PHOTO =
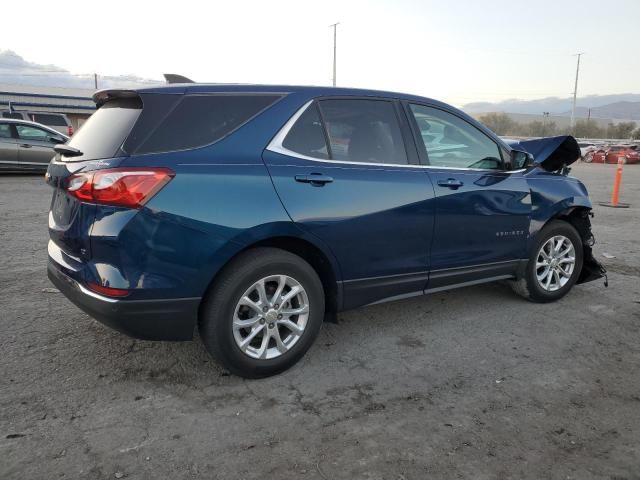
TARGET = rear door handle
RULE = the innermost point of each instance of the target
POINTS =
(25, 145)
(450, 183)
(315, 179)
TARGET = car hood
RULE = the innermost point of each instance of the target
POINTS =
(551, 153)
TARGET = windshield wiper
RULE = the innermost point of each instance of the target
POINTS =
(67, 150)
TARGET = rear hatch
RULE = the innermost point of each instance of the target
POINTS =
(99, 141)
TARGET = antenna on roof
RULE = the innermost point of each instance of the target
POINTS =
(175, 78)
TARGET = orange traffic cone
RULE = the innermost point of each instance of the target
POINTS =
(615, 194)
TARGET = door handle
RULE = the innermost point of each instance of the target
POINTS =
(315, 179)
(451, 183)
(25, 145)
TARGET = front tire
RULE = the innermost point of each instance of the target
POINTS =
(554, 266)
(263, 312)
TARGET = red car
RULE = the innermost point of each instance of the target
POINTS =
(611, 154)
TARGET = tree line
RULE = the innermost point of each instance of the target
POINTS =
(503, 124)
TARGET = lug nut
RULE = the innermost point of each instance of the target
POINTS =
(271, 325)
(265, 309)
(276, 306)
(262, 320)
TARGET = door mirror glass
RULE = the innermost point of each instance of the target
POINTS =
(521, 159)
(56, 140)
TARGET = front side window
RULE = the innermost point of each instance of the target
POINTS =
(26, 132)
(363, 131)
(452, 142)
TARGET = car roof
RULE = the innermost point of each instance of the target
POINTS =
(29, 122)
(259, 88)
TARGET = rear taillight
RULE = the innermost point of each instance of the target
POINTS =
(124, 187)
(69, 130)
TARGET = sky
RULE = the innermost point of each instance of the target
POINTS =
(456, 51)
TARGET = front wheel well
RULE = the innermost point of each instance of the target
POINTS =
(579, 218)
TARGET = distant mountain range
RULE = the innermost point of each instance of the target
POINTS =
(624, 106)
(16, 70)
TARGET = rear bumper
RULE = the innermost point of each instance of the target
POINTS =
(160, 319)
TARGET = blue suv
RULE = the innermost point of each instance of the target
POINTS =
(256, 212)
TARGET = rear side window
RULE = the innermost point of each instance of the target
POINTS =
(306, 137)
(48, 119)
(363, 131)
(102, 135)
(199, 120)
(5, 130)
(12, 115)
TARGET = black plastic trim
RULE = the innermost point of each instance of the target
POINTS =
(160, 319)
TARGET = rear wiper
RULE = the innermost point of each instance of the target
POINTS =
(67, 150)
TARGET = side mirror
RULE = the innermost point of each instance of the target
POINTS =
(521, 159)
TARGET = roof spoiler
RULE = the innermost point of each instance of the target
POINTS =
(175, 78)
(552, 153)
(103, 96)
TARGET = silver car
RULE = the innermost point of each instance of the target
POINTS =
(58, 121)
(27, 146)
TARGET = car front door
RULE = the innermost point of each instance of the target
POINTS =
(8, 147)
(482, 210)
(35, 145)
(348, 173)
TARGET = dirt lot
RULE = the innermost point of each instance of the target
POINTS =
(473, 383)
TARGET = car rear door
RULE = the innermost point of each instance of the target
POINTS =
(482, 210)
(35, 148)
(8, 147)
(347, 172)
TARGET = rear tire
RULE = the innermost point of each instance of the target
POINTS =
(551, 272)
(244, 325)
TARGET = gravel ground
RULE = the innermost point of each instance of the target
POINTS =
(473, 383)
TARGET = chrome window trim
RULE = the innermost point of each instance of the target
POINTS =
(276, 146)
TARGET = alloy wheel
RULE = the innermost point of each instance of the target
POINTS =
(270, 317)
(555, 263)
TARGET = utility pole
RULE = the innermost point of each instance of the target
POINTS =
(95, 80)
(545, 118)
(335, 30)
(575, 93)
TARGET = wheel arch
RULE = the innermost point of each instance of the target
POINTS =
(579, 216)
(321, 260)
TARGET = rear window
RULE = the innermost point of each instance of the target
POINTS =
(196, 121)
(49, 119)
(102, 135)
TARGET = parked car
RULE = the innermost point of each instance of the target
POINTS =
(26, 146)
(586, 148)
(254, 212)
(631, 154)
(58, 121)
